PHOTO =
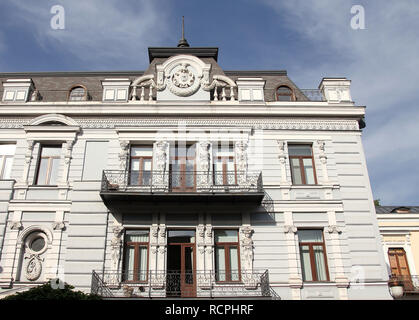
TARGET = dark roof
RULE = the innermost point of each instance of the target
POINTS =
(70, 74)
(393, 209)
(166, 52)
(54, 86)
(256, 73)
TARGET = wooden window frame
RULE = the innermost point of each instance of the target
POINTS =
(185, 158)
(225, 169)
(140, 171)
(312, 257)
(49, 167)
(74, 87)
(292, 95)
(137, 246)
(227, 246)
(301, 163)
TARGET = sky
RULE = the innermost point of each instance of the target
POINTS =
(311, 39)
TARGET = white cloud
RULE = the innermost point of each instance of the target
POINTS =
(106, 34)
(382, 62)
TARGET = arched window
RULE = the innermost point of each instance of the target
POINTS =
(284, 93)
(77, 93)
(401, 210)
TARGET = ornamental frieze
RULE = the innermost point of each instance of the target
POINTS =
(259, 124)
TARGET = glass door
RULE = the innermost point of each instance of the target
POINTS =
(181, 264)
(182, 169)
(187, 279)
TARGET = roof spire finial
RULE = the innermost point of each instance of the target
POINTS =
(182, 42)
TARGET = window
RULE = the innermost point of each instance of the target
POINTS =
(37, 244)
(401, 210)
(116, 94)
(7, 152)
(302, 164)
(224, 165)
(77, 93)
(136, 255)
(313, 255)
(227, 264)
(284, 93)
(17, 90)
(141, 158)
(48, 166)
(115, 89)
(183, 167)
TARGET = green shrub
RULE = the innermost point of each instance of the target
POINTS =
(47, 292)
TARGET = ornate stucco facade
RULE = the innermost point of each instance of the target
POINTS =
(186, 180)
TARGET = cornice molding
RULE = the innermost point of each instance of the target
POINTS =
(270, 124)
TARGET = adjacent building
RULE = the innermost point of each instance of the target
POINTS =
(186, 180)
(399, 230)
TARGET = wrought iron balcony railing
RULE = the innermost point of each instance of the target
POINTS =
(410, 283)
(181, 181)
(181, 284)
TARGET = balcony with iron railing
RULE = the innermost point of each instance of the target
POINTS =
(177, 284)
(195, 186)
(404, 286)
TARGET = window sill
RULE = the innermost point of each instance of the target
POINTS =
(43, 186)
(144, 283)
(298, 186)
(228, 282)
(318, 283)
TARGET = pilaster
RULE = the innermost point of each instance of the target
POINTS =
(342, 281)
(295, 281)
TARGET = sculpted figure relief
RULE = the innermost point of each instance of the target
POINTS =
(161, 156)
(247, 245)
(204, 156)
(241, 155)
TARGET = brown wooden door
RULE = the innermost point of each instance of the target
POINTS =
(181, 270)
(187, 271)
(399, 267)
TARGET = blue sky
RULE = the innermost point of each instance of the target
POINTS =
(311, 39)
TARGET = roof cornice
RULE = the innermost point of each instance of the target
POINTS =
(166, 52)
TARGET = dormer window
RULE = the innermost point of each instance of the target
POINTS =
(17, 90)
(77, 93)
(115, 90)
(401, 210)
(284, 93)
(251, 89)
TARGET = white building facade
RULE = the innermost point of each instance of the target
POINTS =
(186, 180)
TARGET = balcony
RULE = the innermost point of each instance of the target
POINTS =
(122, 188)
(177, 284)
(409, 285)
